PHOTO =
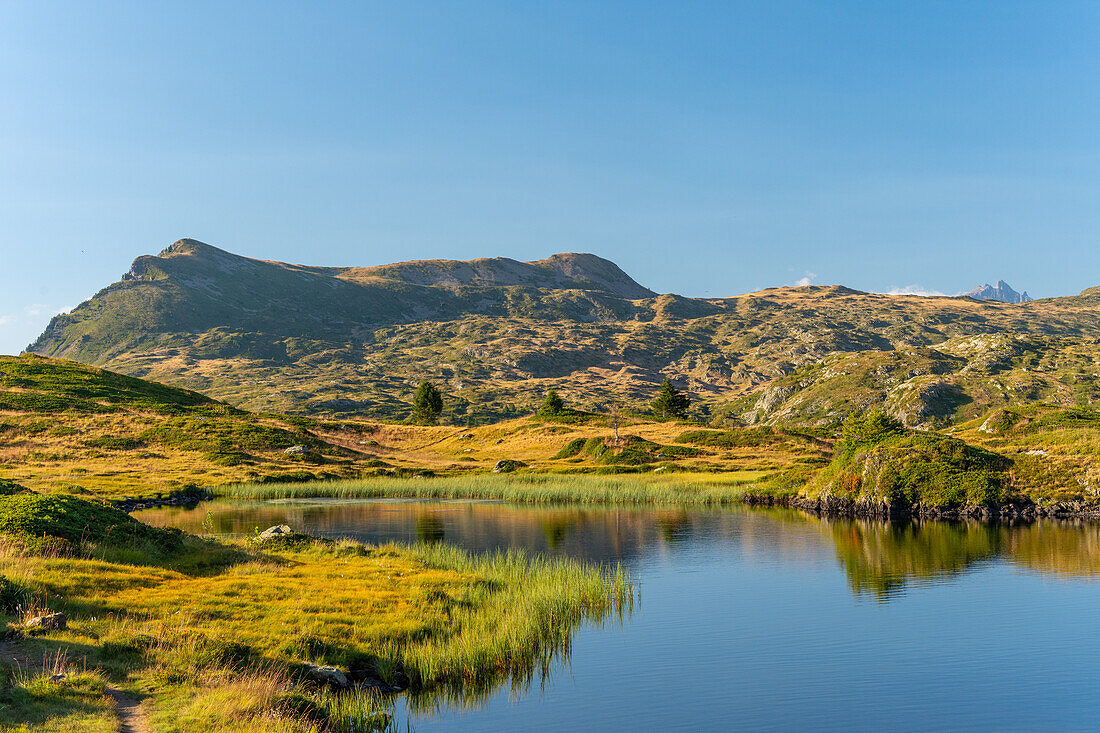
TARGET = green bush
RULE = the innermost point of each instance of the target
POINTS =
(109, 442)
(571, 448)
(740, 438)
(9, 487)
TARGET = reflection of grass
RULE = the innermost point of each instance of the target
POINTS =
(675, 488)
(216, 632)
(880, 558)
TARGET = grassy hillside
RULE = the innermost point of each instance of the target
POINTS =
(76, 429)
(495, 334)
(70, 428)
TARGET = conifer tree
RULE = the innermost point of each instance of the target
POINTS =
(669, 401)
(553, 405)
(427, 404)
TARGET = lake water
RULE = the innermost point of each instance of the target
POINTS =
(753, 619)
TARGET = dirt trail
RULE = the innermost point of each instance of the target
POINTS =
(131, 718)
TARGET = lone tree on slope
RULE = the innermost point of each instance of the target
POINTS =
(427, 404)
(669, 401)
(553, 405)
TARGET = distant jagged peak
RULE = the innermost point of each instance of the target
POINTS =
(1002, 293)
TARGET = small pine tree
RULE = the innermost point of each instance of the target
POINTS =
(670, 402)
(427, 404)
(553, 405)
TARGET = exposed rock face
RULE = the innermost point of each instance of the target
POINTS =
(1003, 293)
(296, 450)
(508, 465)
(923, 402)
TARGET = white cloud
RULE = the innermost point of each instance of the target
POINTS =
(19, 328)
(807, 279)
(916, 290)
(34, 313)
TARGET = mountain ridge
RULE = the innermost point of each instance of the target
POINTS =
(495, 333)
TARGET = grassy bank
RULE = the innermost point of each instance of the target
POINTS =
(218, 636)
(670, 488)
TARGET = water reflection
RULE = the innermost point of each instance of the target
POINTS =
(880, 559)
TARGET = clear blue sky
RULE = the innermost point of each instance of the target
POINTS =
(708, 148)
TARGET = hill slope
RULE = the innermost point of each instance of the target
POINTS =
(496, 333)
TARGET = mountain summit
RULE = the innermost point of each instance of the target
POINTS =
(1003, 293)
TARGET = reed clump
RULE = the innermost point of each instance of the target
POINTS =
(670, 488)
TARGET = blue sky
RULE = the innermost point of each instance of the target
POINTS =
(708, 148)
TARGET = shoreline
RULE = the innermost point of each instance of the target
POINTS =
(826, 506)
(872, 509)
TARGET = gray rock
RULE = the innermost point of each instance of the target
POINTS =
(277, 531)
(296, 450)
(328, 675)
(52, 621)
(508, 465)
(466, 436)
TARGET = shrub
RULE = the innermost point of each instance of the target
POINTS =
(13, 596)
(109, 442)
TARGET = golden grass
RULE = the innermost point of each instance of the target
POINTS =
(217, 638)
(49, 454)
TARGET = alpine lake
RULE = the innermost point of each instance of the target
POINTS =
(765, 619)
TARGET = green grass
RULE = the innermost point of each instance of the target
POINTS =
(30, 702)
(661, 488)
(74, 521)
(53, 385)
(631, 451)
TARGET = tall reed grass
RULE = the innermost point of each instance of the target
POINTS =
(685, 488)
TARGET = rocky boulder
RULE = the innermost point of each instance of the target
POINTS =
(272, 532)
(328, 676)
(51, 622)
(508, 465)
